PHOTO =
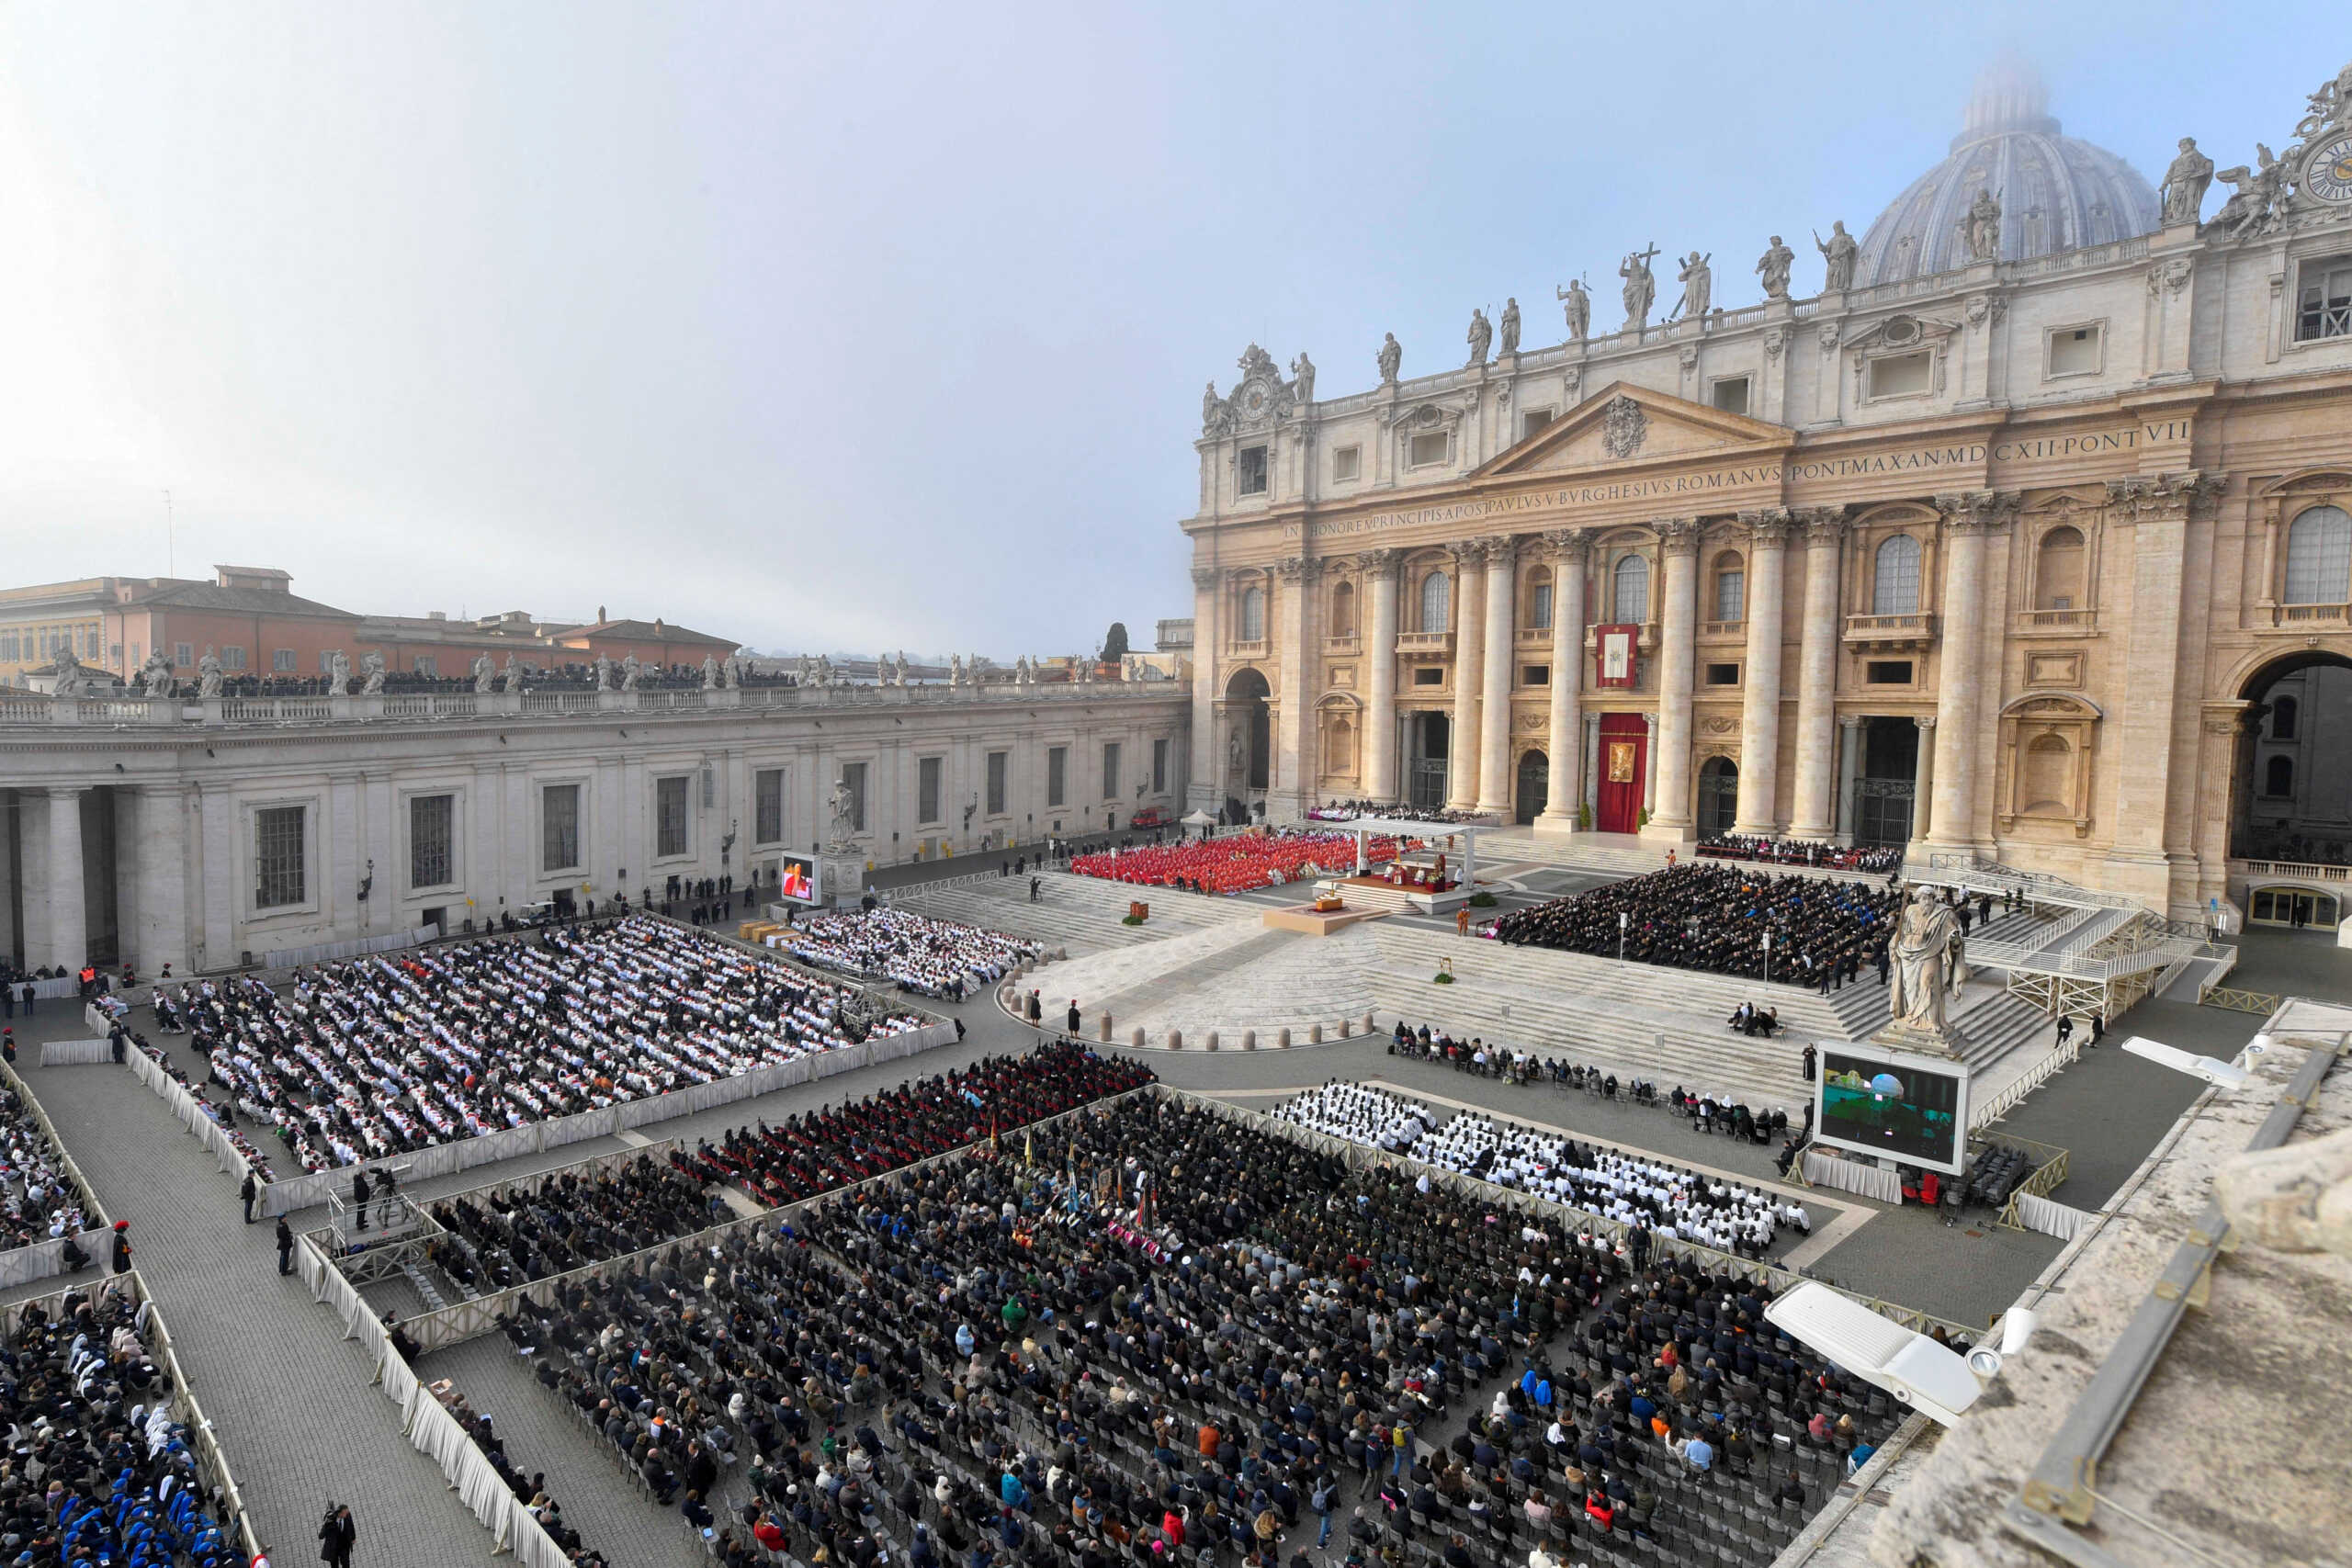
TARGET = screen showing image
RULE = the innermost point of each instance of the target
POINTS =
(1893, 1109)
(796, 880)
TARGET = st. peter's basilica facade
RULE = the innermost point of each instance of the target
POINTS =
(2028, 537)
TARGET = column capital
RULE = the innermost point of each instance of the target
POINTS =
(1499, 549)
(1849, 721)
(1677, 536)
(65, 791)
(2150, 497)
(1376, 562)
(1290, 569)
(1822, 524)
(1649, 721)
(1925, 720)
(1977, 511)
(1205, 578)
(1768, 528)
(1568, 546)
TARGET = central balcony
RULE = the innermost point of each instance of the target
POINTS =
(1440, 643)
(1913, 631)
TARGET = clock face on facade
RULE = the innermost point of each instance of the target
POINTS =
(2327, 172)
(1253, 401)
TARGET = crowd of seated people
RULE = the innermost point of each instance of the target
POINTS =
(817, 1151)
(1802, 851)
(1670, 1202)
(384, 1055)
(532, 1488)
(1238, 862)
(100, 1471)
(1372, 1117)
(936, 958)
(1514, 1064)
(500, 1238)
(1348, 810)
(1169, 1338)
(38, 1201)
(1714, 918)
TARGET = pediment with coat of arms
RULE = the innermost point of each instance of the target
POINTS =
(1625, 423)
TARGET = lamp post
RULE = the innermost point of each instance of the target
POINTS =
(1767, 958)
(1622, 918)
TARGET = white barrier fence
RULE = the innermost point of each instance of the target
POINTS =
(430, 1428)
(2052, 1218)
(329, 952)
(301, 1191)
(1823, 1169)
(74, 1052)
(43, 1259)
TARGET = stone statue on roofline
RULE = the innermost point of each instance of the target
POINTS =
(208, 673)
(1774, 267)
(1576, 304)
(1839, 253)
(371, 667)
(485, 675)
(2186, 182)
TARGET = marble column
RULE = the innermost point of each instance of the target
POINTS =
(1677, 659)
(1925, 809)
(1297, 768)
(1379, 570)
(1494, 718)
(8, 875)
(1565, 737)
(1591, 756)
(161, 866)
(32, 872)
(1759, 711)
(1470, 621)
(1204, 774)
(2157, 513)
(1969, 518)
(1825, 537)
(1850, 774)
(1649, 773)
(69, 936)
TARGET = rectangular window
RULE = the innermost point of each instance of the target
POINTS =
(767, 806)
(281, 659)
(1159, 766)
(1533, 421)
(1428, 675)
(1888, 673)
(1731, 394)
(279, 871)
(1347, 465)
(999, 762)
(1534, 674)
(432, 819)
(1253, 471)
(427, 665)
(669, 817)
(183, 656)
(927, 771)
(2323, 302)
(2075, 351)
(326, 660)
(1900, 374)
(1723, 674)
(233, 657)
(1057, 773)
(1539, 611)
(854, 775)
(1110, 770)
(559, 827)
(1731, 594)
(1426, 449)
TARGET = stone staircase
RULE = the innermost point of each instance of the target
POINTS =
(1639, 1020)
(1080, 913)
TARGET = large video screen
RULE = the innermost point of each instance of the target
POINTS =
(799, 880)
(1896, 1105)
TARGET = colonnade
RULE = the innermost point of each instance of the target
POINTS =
(1486, 602)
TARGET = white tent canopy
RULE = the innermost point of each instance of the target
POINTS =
(1364, 828)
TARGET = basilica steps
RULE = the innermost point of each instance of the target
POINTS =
(1081, 913)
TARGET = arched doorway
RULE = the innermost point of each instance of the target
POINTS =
(1718, 796)
(2291, 783)
(1249, 740)
(2296, 906)
(1534, 791)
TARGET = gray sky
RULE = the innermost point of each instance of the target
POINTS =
(873, 325)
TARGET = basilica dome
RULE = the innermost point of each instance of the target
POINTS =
(2057, 193)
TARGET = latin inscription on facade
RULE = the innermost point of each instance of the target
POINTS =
(1924, 459)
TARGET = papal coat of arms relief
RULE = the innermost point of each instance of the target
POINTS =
(1623, 427)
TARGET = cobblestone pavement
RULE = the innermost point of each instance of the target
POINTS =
(301, 1425)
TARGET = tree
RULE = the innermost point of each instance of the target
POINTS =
(1114, 643)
